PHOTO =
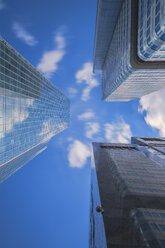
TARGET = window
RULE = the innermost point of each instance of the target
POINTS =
(162, 227)
(146, 213)
(154, 227)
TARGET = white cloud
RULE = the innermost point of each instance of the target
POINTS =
(86, 75)
(60, 41)
(118, 132)
(69, 139)
(78, 154)
(92, 128)
(72, 92)
(153, 104)
(2, 5)
(22, 34)
(89, 114)
(50, 59)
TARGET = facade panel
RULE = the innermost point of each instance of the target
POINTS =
(148, 227)
(151, 30)
(126, 72)
(32, 109)
(107, 14)
(97, 231)
(127, 179)
(154, 148)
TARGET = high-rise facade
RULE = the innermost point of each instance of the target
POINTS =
(147, 227)
(125, 178)
(32, 111)
(151, 30)
(130, 48)
(153, 148)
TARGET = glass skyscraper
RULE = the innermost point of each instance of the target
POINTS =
(32, 111)
(151, 30)
(148, 228)
(130, 53)
(127, 179)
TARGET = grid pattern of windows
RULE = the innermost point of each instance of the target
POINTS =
(136, 173)
(132, 194)
(125, 77)
(32, 109)
(150, 224)
(105, 24)
(121, 81)
(151, 30)
(127, 180)
(154, 148)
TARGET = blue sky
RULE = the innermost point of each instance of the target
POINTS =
(46, 203)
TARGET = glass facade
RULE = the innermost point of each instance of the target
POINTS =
(133, 65)
(154, 148)
(105, 24)
(151, 30)
(97, 231)
(123, 179)
(32, 110)
(148, 227)
(121, 79)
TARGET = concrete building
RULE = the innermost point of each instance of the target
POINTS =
(130, 48)
(32, 111)
(123, 178)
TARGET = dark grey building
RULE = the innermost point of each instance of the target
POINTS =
(130, 48)
(148, 227)
(123, 178)
(154, 148)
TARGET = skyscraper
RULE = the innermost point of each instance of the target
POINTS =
(123, 178)
(153, 148)
(130, 48)
(151, 30)
(32, 111)
(148, 227)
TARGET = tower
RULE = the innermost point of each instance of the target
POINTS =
(130, 48)
(32, 111)
(124, 178)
